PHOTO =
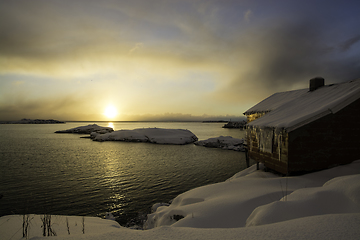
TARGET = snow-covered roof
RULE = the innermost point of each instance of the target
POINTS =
(293, 109)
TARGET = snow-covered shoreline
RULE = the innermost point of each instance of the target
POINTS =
(252, 204)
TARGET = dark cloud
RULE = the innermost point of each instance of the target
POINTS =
(286, 55)
(279, 48)
(345, 46)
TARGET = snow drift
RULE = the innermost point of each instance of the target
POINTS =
(257, 198)
(344, 193)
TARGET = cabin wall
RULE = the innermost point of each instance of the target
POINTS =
(269, 146)
(326, 142)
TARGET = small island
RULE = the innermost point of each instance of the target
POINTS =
(33, 121)
(87, 129)
(231, 124)
(226, 143)
(149, 135)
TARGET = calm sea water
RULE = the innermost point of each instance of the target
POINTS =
(44, 172)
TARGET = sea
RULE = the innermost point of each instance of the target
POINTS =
(42, 172)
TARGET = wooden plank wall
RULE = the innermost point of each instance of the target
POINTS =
(277, 159)
(330, 141)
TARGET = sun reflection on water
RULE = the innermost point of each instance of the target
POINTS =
(117, 204)
(110, 124)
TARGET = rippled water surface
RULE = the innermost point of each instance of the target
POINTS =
(41, 171)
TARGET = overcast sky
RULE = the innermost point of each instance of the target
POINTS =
(167, 59)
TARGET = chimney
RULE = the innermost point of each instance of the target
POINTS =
(316, 83)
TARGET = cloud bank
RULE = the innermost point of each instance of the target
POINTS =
(152, 57)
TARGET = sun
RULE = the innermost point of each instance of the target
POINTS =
(110, 111)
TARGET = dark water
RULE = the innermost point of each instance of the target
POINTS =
(41, 171)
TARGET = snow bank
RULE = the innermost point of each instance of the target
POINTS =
(151, 135)
(344, 193)
(229, 204)
(87, 129)
(330, 227)
(228, 143)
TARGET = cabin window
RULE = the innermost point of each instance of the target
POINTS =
(254, 116)
(266, 138)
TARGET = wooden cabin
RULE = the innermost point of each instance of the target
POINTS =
(308, 129)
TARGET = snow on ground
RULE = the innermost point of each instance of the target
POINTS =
(230, 203)
(87, 129)
(253, 204)
(11, 226)
(330, 227)
(152, 135)
(227, 143)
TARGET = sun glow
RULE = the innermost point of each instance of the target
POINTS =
(110, 111)
(110, 124)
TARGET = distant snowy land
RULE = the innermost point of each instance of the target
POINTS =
(32, 121)
(253, 204)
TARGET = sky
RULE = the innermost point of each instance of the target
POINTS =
(153, 60)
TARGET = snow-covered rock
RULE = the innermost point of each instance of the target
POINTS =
(87, 129)
(109, 216)
(240, 125)
(157, 205)
(227, 143)
(151, 135)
